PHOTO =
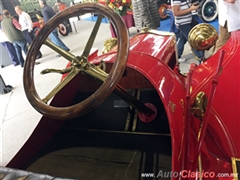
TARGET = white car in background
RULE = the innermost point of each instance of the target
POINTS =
(207, 12)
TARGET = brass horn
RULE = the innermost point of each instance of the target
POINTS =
(202, 37)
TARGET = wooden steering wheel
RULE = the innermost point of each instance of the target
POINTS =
(78, 63)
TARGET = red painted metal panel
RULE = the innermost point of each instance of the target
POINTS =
(150, 54)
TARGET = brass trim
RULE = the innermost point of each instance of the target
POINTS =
(202, 37)
(109, 44)
(172, 106)
(234, 167)
(135, 117)
(199, 106)
(130, 113)
(199, 156)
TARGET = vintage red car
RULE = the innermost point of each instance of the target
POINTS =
(198, 110)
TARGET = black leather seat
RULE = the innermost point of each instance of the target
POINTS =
(15, 174)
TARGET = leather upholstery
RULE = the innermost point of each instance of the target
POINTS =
(14, 174)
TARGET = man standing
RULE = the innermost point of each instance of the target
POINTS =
(10, 48)
(26, 24)
(182, 11)
(145, 14)
(12, 29)
(228, 19)
(48, 13)
(72, 3)
(56, 8)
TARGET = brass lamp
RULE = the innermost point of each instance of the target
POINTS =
(202, 37)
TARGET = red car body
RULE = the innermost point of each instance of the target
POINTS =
(102, 1)
(154, 57)
(208, 143)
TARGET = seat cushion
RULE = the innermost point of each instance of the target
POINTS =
(14, 174)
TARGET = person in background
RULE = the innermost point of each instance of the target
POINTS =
(27, 26)
(56, 8)
(48, 13)
(182, 11)
(12, 29)
(228, 19)
(72, 3)
(10, 48)
(61, 6)
(173, 27)
(145, 14)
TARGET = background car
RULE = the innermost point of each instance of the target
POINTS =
(36, 16)
(207, 12)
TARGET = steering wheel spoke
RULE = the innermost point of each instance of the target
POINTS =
(92, 37)
(63, 83)
(67, 55)
(96, 72)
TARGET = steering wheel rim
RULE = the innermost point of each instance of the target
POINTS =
(109, 83)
